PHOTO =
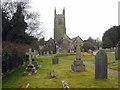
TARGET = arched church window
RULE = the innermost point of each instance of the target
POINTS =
(60, 21)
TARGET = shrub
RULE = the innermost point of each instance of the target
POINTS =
(13, 56)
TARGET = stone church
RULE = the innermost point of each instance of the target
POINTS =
(61, 42)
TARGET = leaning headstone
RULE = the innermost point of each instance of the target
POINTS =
(25, 85)
(117, 52)
(52, 74)
(34, 60)
(78, 65)
(65, 85)
(30, 70)
(55, 60)
(101, 65)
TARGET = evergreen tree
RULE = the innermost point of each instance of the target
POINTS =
(114, 36)
(5, 25)
(107, 43)
(18, 25)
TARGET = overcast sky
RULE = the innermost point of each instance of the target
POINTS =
(83, 17)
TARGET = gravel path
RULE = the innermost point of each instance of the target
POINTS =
(113, 72)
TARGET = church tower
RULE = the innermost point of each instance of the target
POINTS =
(59, 25)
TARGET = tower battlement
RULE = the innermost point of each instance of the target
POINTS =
(59, 25)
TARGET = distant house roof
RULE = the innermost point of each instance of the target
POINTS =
(74, 39)
(50, 41)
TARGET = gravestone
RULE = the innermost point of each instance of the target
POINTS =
(94, 53)
(47, 52)
(34, 60)
(65, 85)
(101, 65)
(55, 60)
(52, 74)
(30, 70)
(78, 65)
(89, 51)
(117, 52)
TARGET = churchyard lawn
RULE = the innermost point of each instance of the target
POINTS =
(63, 72)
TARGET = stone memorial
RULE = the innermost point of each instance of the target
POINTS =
(117, 52)
(55, 60)
(30, 70)
(34, 60)
(94, 53)
(52, 74)
(101, 65)
(65, 85)
(78, 65)
(47, 52)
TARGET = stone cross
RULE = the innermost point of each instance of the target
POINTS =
(78, 45)
(35, 53)
(101, 65)
(30, 53)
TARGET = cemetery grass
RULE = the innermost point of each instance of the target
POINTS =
(63, 72)
(89, 57)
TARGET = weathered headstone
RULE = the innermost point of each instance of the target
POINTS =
(89, 51)
(65, 85)
(25, 85)
(78, 65)
(47, 52)
(55, 60)
(51, 52)
(30, 70)
(117, 52)
(94, 53)
(52, 74)
(101, 65)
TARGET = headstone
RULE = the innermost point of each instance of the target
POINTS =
(101, 65)
(94, 53)
(89, 51)
(65, 85)
(30, 70)
(51, 52)
(34, 60)
(78, 65)
(25, 85)
(55, 60)
(117, 52)
(52, 74)
(47, 52)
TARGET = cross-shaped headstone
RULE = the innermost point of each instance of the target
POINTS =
(35, 53)
(30, 53)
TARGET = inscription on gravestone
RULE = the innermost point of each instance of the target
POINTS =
(101, 65)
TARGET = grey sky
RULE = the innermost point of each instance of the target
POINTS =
(83, 17)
